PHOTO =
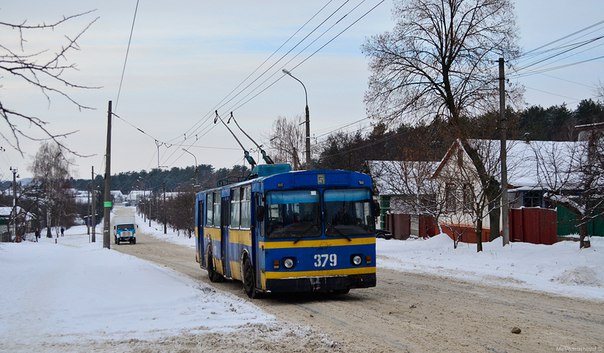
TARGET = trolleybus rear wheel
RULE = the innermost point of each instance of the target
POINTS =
(249, 278)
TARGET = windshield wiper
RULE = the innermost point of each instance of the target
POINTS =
(303, 233)
(331, 226)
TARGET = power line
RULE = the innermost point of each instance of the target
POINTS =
(216, 107)
(562, 38)
(222, 103)
(309, 56)
(573, 47)
(558, 67)
(236, 107)
(119, 91)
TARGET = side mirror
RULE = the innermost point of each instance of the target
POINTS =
(376, 209)
(137, 226)
(260, 213)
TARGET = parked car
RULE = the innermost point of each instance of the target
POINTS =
(384, 234)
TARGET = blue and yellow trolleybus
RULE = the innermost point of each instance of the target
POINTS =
(289, 231)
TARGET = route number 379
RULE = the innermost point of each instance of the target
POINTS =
(324, 260)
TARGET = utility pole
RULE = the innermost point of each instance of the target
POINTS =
(164, 209)
(505, 206)
(93, 189)
(14, 170)
(89, 210)
(107, 204)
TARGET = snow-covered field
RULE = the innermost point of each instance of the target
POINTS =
(75, 291)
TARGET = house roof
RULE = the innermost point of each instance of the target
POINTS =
(5, 211)
(533, 164)
(401, 177)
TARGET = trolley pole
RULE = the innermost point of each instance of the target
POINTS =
(107, 204)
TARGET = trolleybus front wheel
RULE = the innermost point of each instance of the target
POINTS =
(249, 278)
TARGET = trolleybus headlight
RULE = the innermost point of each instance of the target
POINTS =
(288, 262)
(356, 260)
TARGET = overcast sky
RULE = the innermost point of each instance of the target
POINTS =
(187, 56)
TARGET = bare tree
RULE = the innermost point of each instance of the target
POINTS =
(43, 69)
(51, 172)
(600, 90)
(412, 180)
(439, 62)
(466, 201)
(287, 141)
(573, 173)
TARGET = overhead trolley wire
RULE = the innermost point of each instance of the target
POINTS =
(309, 56)
(220, 105)
(209, 114)
(199, 130)
(238, 105)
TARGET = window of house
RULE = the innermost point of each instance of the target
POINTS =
(532, 199)
(468, 197)
(450, 201)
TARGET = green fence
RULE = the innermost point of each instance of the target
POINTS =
(384, 208)
(568, 224)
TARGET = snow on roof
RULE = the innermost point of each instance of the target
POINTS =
(543, 164)
(401, 177)
(5, 211)
(534, 164)
(116, 193)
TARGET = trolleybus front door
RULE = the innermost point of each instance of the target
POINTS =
(224, 235)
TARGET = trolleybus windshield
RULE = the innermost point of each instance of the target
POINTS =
(293, 213)
(348, 212)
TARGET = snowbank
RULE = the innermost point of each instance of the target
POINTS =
(76, 290)
(561, 268)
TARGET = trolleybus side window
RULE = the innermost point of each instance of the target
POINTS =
(213, 209)
(292, 213)
(240, 207)
(348, 212)
(217, 209)
(246, 210)
(209, 209)
(235, 207)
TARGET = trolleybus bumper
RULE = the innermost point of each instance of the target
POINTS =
(320, 284)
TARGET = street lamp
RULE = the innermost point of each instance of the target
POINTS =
(184, 149)
(307, 123)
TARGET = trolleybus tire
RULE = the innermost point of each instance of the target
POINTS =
(249, 278)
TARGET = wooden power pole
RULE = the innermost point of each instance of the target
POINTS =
(505, 206)
(107, 204)
(93, 207)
